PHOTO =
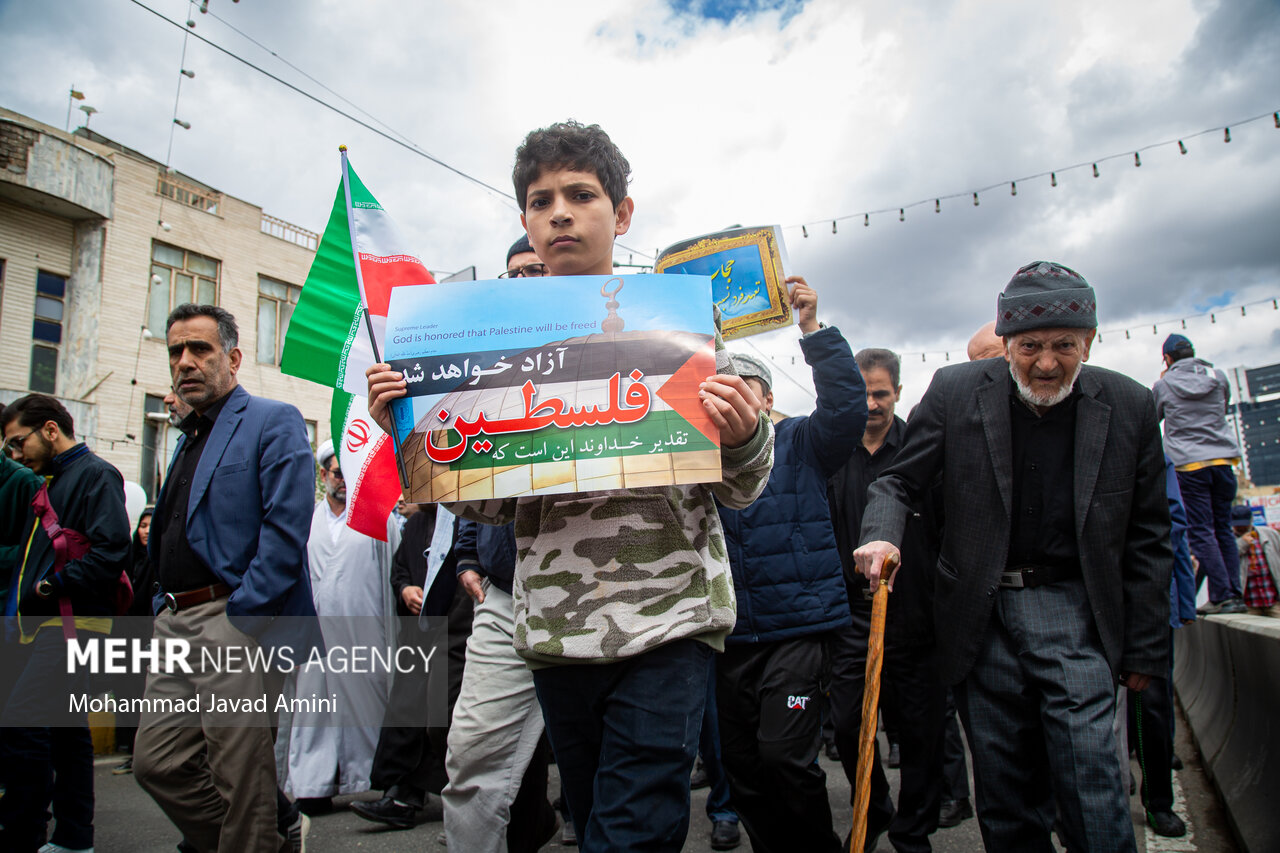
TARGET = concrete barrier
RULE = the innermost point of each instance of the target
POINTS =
(1227, 674)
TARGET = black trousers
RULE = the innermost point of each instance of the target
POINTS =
(45, 767)
(955, 770)
(1150, 727)
(411, 759)
(909, 679)
(770, 700)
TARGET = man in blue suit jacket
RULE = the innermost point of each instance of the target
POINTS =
(228, 545)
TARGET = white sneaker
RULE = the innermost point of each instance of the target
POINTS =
(58, 848)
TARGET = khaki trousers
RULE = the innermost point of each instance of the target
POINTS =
(212, 772)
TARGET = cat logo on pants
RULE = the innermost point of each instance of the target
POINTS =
(794, 702)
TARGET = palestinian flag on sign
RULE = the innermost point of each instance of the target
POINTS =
(340, 316)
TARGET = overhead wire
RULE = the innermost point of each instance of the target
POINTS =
(393, 136)
(1012, 183)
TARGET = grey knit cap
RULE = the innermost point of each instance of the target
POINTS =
(747, 365)
(1045, 295)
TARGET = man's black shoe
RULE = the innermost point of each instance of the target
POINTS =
(699, 778)
(386, 811)
(1175, 763)
(725, 835)
(1167, 824)
(314, 806)
(895, 757)
(955, 812)
(832, 751)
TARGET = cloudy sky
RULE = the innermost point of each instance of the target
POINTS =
(754, 112)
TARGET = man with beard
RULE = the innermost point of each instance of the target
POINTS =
(228, 547)
(1053, 575)
(46, 753)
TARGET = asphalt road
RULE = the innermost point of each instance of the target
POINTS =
(127, 819)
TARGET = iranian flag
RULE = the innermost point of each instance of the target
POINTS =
(336, 332)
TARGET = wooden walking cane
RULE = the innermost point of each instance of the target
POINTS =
(870, 707)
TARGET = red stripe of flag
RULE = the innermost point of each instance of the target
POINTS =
(381, 273)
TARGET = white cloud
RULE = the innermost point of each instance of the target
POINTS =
(845, 108)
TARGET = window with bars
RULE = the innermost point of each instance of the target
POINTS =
(178, 276)
(46, 331)
(276, 301)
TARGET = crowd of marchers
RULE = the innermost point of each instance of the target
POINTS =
(1038, 537)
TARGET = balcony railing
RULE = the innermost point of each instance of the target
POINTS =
(201, 198)
(288, 231)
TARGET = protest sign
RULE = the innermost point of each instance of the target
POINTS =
(549, 385)
(747, 281)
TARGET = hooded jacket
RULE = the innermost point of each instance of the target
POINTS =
(1191, 399)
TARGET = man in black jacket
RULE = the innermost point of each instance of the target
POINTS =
(42, 763)
(1053, 575)
(909, 679)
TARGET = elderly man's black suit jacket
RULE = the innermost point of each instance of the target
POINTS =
(961, 430)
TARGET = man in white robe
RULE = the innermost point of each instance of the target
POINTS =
(350, 582)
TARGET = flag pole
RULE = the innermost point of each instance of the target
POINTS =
(364, 309)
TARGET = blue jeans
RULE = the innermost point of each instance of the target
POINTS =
(1207, 495)
(625, 735)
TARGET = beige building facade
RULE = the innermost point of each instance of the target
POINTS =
(97, 244)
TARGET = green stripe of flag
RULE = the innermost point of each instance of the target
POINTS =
(360, 195)
(339, 408)
(321, 322)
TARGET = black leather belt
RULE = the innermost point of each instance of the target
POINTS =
(176, 601)
(1028, 577)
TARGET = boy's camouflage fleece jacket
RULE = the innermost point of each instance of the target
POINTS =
(608, 575)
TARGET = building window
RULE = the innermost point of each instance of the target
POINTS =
(159, 441)
(178, 277)
(46, 331)
(276, 301)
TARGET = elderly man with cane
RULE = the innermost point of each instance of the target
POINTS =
(1052, 581)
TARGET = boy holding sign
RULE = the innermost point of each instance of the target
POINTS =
(620, 596)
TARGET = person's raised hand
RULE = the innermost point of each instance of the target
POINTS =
(804, 304)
